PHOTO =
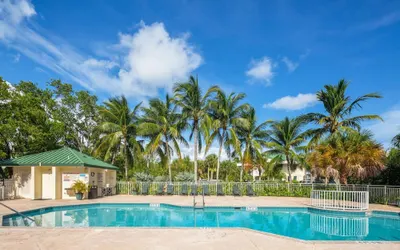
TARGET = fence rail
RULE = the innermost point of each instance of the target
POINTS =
(377, 193)
(7, 190)
(340, 200)
(339, 226)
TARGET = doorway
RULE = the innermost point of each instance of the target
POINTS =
(47, 185)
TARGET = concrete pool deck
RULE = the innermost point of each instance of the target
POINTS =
(145, 238)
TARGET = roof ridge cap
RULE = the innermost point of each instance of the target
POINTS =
(72, 151)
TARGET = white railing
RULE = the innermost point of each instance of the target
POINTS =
(7, 190)
(339, 226)
(340, 200)
(377, 193)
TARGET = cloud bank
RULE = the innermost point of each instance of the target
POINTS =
(301, 101)
(142, 63)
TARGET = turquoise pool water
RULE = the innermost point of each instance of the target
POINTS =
(300, 223)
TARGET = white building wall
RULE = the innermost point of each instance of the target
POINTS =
(27, 181)
(22, 182)
(298, 174)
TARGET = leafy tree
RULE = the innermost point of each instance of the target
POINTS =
(194, 105)
(77, 111)
(251, 138)
(391, 174)
(6, 129)
(211, 164)
(285, 138)
(184, 164)
(162, 125)
(396, 141)
(226, 113)
(270, 166)
(31, 127)
(347, 154)
(230, 171)
(338, 107)
(118, 130)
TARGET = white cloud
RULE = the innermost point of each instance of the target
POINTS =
(261, 70)
(16, 11)
(12, 13)
(292, 66)
(298, 102)
(383, 21)
(386, 130)
(16, 58)
(142, 63)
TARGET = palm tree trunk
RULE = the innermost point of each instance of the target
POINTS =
(168, 165)
(195, 151)
(126, 158)
(343, 177)
(288, 168)
(219, 155)
(241, 172)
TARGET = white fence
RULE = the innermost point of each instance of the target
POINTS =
(377, 193)
(7, 190)
(340, 200)
(339, 226)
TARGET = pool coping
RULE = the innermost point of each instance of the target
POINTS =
(379, 212)
(337, 212)
(311, 242)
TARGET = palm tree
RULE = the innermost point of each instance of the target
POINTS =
(163, 126)
(194, 104)
(396, 141)
(285, 138)
(338, 107)
(210, 164)
(118, 130)
(252, 138)
(226, 113)
(347, 154)
(269, 166)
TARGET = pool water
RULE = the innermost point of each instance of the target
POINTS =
(300, 223)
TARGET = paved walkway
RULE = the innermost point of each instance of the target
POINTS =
(137, 238)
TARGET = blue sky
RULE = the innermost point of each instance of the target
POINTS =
(278, 52)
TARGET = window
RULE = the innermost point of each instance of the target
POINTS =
(295, 178)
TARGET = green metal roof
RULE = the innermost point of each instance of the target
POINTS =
(60, 157)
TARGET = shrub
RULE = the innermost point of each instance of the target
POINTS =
(184, 177)
(143, 177)
(161, 179)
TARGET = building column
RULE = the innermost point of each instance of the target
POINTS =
(33, 183)
(55, 184)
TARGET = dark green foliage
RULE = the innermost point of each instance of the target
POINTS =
(391, 174)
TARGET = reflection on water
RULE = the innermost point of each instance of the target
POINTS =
(339, 226)
(299, 223)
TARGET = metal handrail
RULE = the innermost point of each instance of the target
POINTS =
(194, 199)
(204, 204)
(21, 214)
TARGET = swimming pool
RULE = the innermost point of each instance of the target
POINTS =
(296, 222)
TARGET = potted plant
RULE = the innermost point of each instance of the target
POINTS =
(79, 188)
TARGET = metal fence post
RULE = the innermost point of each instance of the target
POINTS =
(384, 195)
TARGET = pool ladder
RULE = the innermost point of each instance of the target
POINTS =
(195, 205)
(20, 214)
